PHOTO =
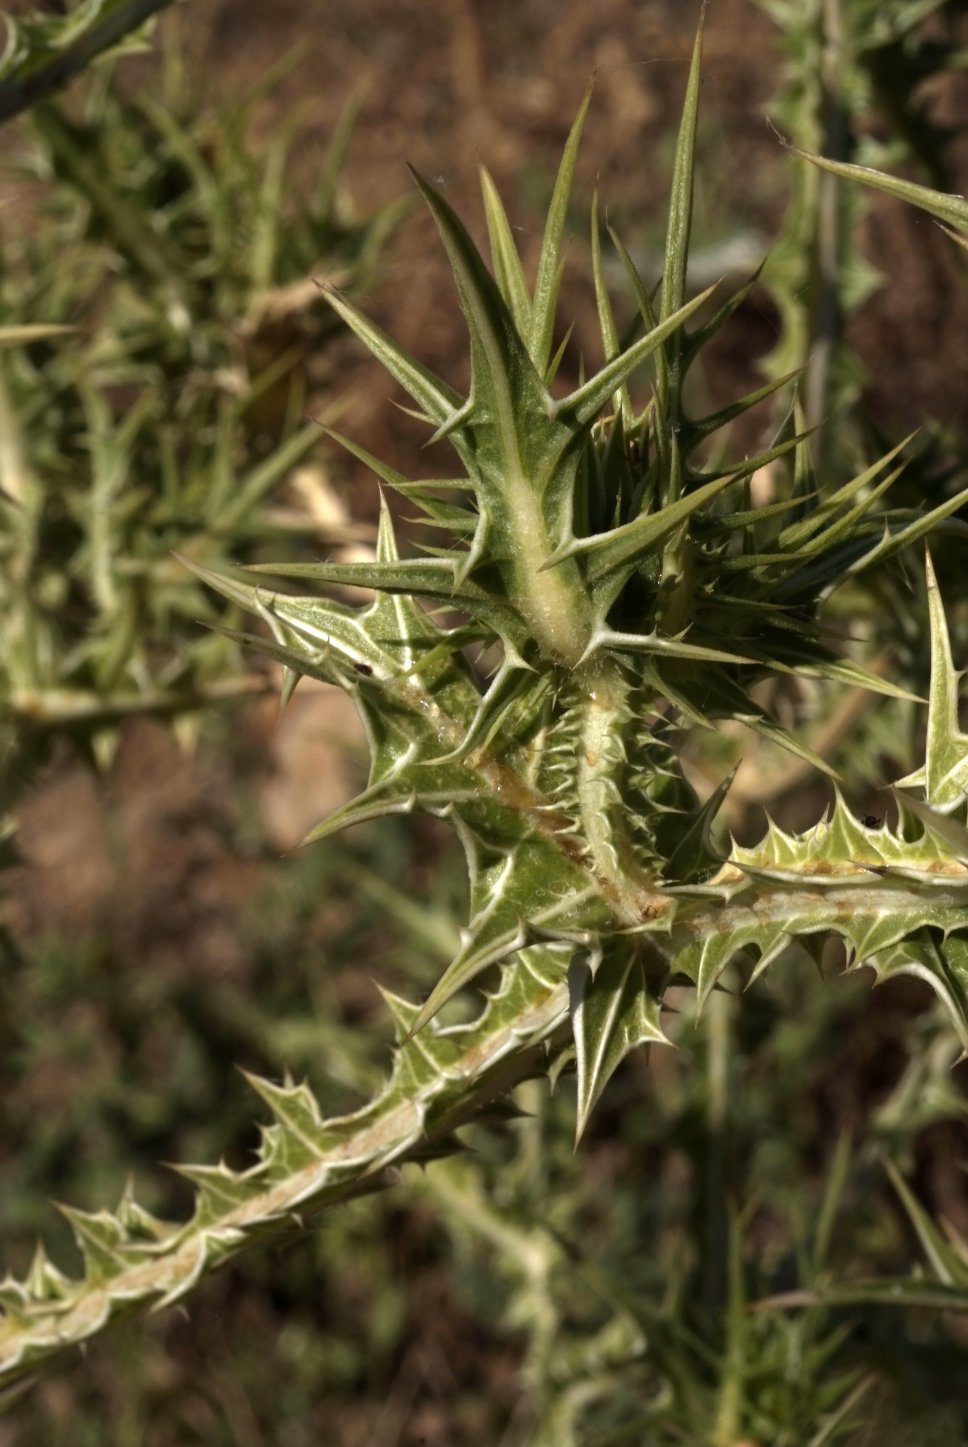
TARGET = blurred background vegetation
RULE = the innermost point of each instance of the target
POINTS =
(175, 208)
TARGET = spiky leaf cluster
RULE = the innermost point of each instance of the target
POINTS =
(182, 273)
(612, 577)
(589, 534)
(50, 48)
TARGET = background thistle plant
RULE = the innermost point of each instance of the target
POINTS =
(42, 52)
(167, 411)
(847, 64)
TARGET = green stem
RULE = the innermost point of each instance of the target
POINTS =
(606, 711)
(729, 1405)
(23, 90)
(330, 1161)
(553, 601)
(827, 327)
(60, 708)
(719, 1027)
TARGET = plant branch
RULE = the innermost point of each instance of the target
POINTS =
(21, 91)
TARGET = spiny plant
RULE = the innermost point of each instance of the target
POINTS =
(171, 416)
(946, 1251)
(951, 211)
(191, 256)
(856, 81)
(609, 581)
(44, 51)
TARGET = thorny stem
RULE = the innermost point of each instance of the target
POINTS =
(20, 92)
(828, 321)
(719, 1025)
(548, 599)
(602, 840)
(605, 710)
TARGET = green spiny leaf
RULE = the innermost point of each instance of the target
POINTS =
(612, 1012)
(587, 400)
(549, 262)
(944, 775)
(953, 210)
(606, 320)
(680, 226)
(505, 258)
(633, 540)
(437, 400)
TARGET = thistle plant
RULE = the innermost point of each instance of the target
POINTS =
(599, 582)
(844, 63)
(162, 406)
(42, 52)
(192, 260)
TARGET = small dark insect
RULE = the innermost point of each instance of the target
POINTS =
(364, 668)
(870, 822)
